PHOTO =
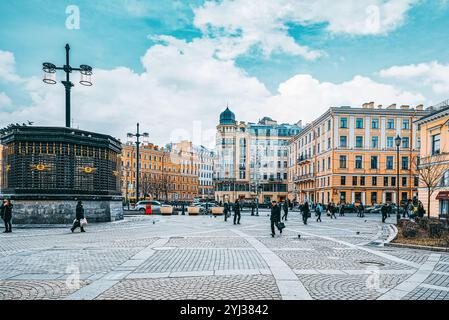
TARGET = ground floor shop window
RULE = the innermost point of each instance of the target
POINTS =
(444, 206)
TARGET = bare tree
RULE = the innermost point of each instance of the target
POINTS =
(430, 172)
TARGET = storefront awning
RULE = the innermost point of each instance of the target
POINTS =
(443, 195)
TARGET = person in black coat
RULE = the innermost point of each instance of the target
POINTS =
(305, 212)
(79, 216)
(275, 217)
(237, 212)
(6, 212)
(384, 211)
(226, 211)
(285, 210)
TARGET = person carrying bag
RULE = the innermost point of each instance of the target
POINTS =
(80, 221)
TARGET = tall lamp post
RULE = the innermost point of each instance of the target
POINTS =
(50, 78)
(397, 141)
(137, 135)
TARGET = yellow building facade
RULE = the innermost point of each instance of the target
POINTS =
(434, 153)
(349, 155)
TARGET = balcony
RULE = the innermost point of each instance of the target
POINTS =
(304, 178)
(303, 160)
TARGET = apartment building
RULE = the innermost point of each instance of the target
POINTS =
(252, 159)
(349, 155)
(206, 160)
(163, 175)
(434, 159)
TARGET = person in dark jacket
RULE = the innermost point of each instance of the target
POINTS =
(253, 207)
(318, 211)
(285, 207)
(384, 211)
(6, 211)
(275, 217)
(421, 210)
(79, 216)
(226, 211)
(237, 212)
(305, 212)
(342, 209)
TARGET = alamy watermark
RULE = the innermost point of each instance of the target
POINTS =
(72, 21)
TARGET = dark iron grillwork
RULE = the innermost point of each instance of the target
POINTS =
(60, 161)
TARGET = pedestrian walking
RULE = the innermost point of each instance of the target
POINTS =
(384, 211)
(410, 208)
(275, 217)
(226, 211)
(183, 209)
(318, 210)
(342, 209)
(237, 215)
(79, 217)
(305, 212)
(253, 206)
(6, 213)
(361, 210)
(421, 210)
(284, 217)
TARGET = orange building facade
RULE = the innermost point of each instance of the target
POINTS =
(349, 155)
(434, 152)
(163, 175)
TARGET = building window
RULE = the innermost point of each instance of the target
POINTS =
(374, 181)
(374, 142)
(445, 179)
(404, 181)
(359, 142)
(416, 181)
(375, 124)
(385, 181)
(343, 180)
(374, 160)
(354, 180)
(405, 143)
(328, 143)
(390, 142)
(343, 141)
(362, 180)
(359, 123)
(373, 197)
(436, 144)
(405, 125)
(393, 181)
(390, 161)
(358, 162)
(390, 124)
(328, 125)
(358, 197)
(344, 123)
(388, 197)
(342, 162)
(404, 163)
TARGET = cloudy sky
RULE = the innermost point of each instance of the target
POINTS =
(174, 65)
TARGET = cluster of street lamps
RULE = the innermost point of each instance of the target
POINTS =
(137, 135)
(50, 78)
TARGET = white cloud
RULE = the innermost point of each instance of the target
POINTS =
(306, 98)
(5, 101)
(8, 67)
(238, 25)
(431, 74)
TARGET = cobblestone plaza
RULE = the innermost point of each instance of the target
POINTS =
(202, 257)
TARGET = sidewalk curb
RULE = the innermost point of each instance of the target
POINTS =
(416, 246)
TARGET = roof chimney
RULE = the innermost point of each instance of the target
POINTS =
(365, 105)
(419, 107)
(371, 105)
(379, 106)
(392, 106)
(405, 107)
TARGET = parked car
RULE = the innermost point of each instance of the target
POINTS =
(155, 206)
(202, 206)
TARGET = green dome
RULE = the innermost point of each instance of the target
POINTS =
(227, 117)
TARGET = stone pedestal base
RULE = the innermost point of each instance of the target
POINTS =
(63, 211)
